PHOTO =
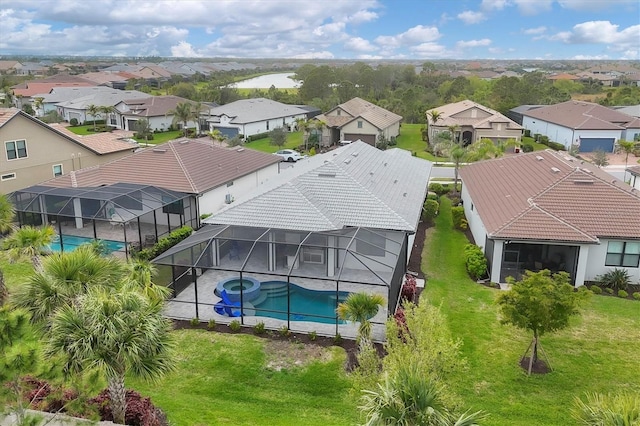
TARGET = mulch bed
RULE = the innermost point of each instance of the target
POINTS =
(538, 367)
(415, 258)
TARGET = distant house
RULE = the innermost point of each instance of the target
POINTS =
(589, 126)
(9, 67)
(156, 109)
(473, 122)
(249, 117)
(24, 93)
(78, 107)
(547, 210)
(358, 119)
(215, 175)
(34, 152)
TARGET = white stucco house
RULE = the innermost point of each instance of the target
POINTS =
(589, 126)
(157, 110)
(249, 117)
(76, 107)
(216, 176)
(547, 210)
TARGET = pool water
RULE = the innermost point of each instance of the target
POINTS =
(71, 242)
(306, 305)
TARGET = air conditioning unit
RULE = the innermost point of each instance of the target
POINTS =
(228, 199)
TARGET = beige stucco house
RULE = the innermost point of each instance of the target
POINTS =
(473, 122)
(33, 151)
(358, 119)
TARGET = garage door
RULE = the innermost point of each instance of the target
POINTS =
(370, 139)
(228, 132)
(594, 144)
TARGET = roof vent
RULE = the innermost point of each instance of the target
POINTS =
(539, 157)
(355, 154)
(240, 149)
(395, 181)
(587, 171)
(584, 181)
(184, 142)
(385, 164)
(371, 172)
(555, 170)
(347, 161)
(327, 174)
(159, 150)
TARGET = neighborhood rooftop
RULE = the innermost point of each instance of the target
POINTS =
(252, 110)
(583, 116)
(355, 185)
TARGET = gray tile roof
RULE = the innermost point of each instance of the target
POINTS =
(355, 185)
(253, 110)
(110, 98)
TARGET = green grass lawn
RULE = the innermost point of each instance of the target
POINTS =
(294, 139)
(163, 137)
(411, 139)
(536, 146)
(82, 130)
(223, 379)
(598, 353)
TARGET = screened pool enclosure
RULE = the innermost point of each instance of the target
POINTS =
(283, 277)
(124, 215)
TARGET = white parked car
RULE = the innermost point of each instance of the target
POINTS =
(289, 155)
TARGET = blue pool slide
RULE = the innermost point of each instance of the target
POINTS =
(225, 305)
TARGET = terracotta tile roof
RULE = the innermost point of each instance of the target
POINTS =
(635, 170)
(334, 120)
(193, 166)
(378, 116)
(581, 116)
(101, 143)
(7, 114)
(551, 196)
(154, 106)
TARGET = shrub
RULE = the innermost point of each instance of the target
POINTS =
(211, 324)
(314, 335)
(458, 217)
(165, 243)
(527, 147)
(140, 410)
(608, 290)
(430, 210)
(527, 133)
(194, 321)
(433, 196)
(556, 146)
(235, 326)
(259, 328)
(337, 339)
(203, 216)
(284, 331)
(616, 279)
(258, 136)
(623, 294)
(595, 289)
(475, 261)
(312, 151)
(438, 188)
(543, 139)
(536, 137)
(409, 289)
(636, 295)
(73, 122)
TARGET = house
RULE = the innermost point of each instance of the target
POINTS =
(249, 117)
(589, 126)
(25, 92)
(46, 102)
(77, 107)
(335, 223)
(34, 151)
(215, 175)
(157, 110)
(634, 173)
(9, 67)
(358, 119)
(473, 122)
(547, 210)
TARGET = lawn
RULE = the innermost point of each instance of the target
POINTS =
(598, 353)
(82, 130)
(294, 139)
(536, 146)
(223, 379)
(411, 139)
(163, 137)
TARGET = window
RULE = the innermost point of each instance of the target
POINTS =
(621, 253)
(16, 149)
(57, 170)
(267, 124)
(359, 124)
(338, 112)
(8, 176)
(313, 255)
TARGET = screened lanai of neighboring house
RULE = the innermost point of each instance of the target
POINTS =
(283, 277)
(123, 215)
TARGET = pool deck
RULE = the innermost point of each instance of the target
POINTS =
(184, 306)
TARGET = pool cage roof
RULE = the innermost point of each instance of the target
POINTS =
(372, 251)
(133, 199)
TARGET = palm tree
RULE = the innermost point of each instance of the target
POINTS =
(30, 241)
(457, 155)
(104, 111)
(434, 116)
(118, 333)
(66, 276)
(620, 410)
(183, 113)
(37, 104)
(94, 111)
(360, 307)
(7, 211)
(302, 125)
(627, 147)
(141, 273)
(216, 136)
(453, 130)
(408, 398)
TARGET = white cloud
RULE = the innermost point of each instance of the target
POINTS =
(471, 17)
(594, 5)
(314, 55)
(184, 50)
(369, 57)
(417, 34)
(590, 57)
(535, 31)
(431, 50)
(473, 43)
(533, 7)
(494, 4)
(359, 44)
(600, 32)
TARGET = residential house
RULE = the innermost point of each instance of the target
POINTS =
(157, 110)
(589, 126)
(9, 67)
(25, 92)
(78, 107)
(548, 210)
(215, 175)
(249, 117)
(335, 223)
(46, 102)
(33, 151)
(358, 119)
(634, 174)
(473, 122)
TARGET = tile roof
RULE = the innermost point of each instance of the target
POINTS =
(449, 116)
(253, 110)
(7, 114)
(635, 170)
(32, 89)
(153, 106)
(580, 115)
(547, 195)
(103, 98)
(378, 116)
(355, 185)
(193, 166)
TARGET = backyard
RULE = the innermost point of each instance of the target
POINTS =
(597, 353)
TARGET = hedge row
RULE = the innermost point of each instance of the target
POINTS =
(164, 243)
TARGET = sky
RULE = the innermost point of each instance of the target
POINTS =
(324, 29)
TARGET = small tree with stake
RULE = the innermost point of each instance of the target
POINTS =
(541, 303)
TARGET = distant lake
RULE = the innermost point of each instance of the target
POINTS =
(279, 81)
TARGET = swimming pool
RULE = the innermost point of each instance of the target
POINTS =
(306, 305)
(71, 242)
